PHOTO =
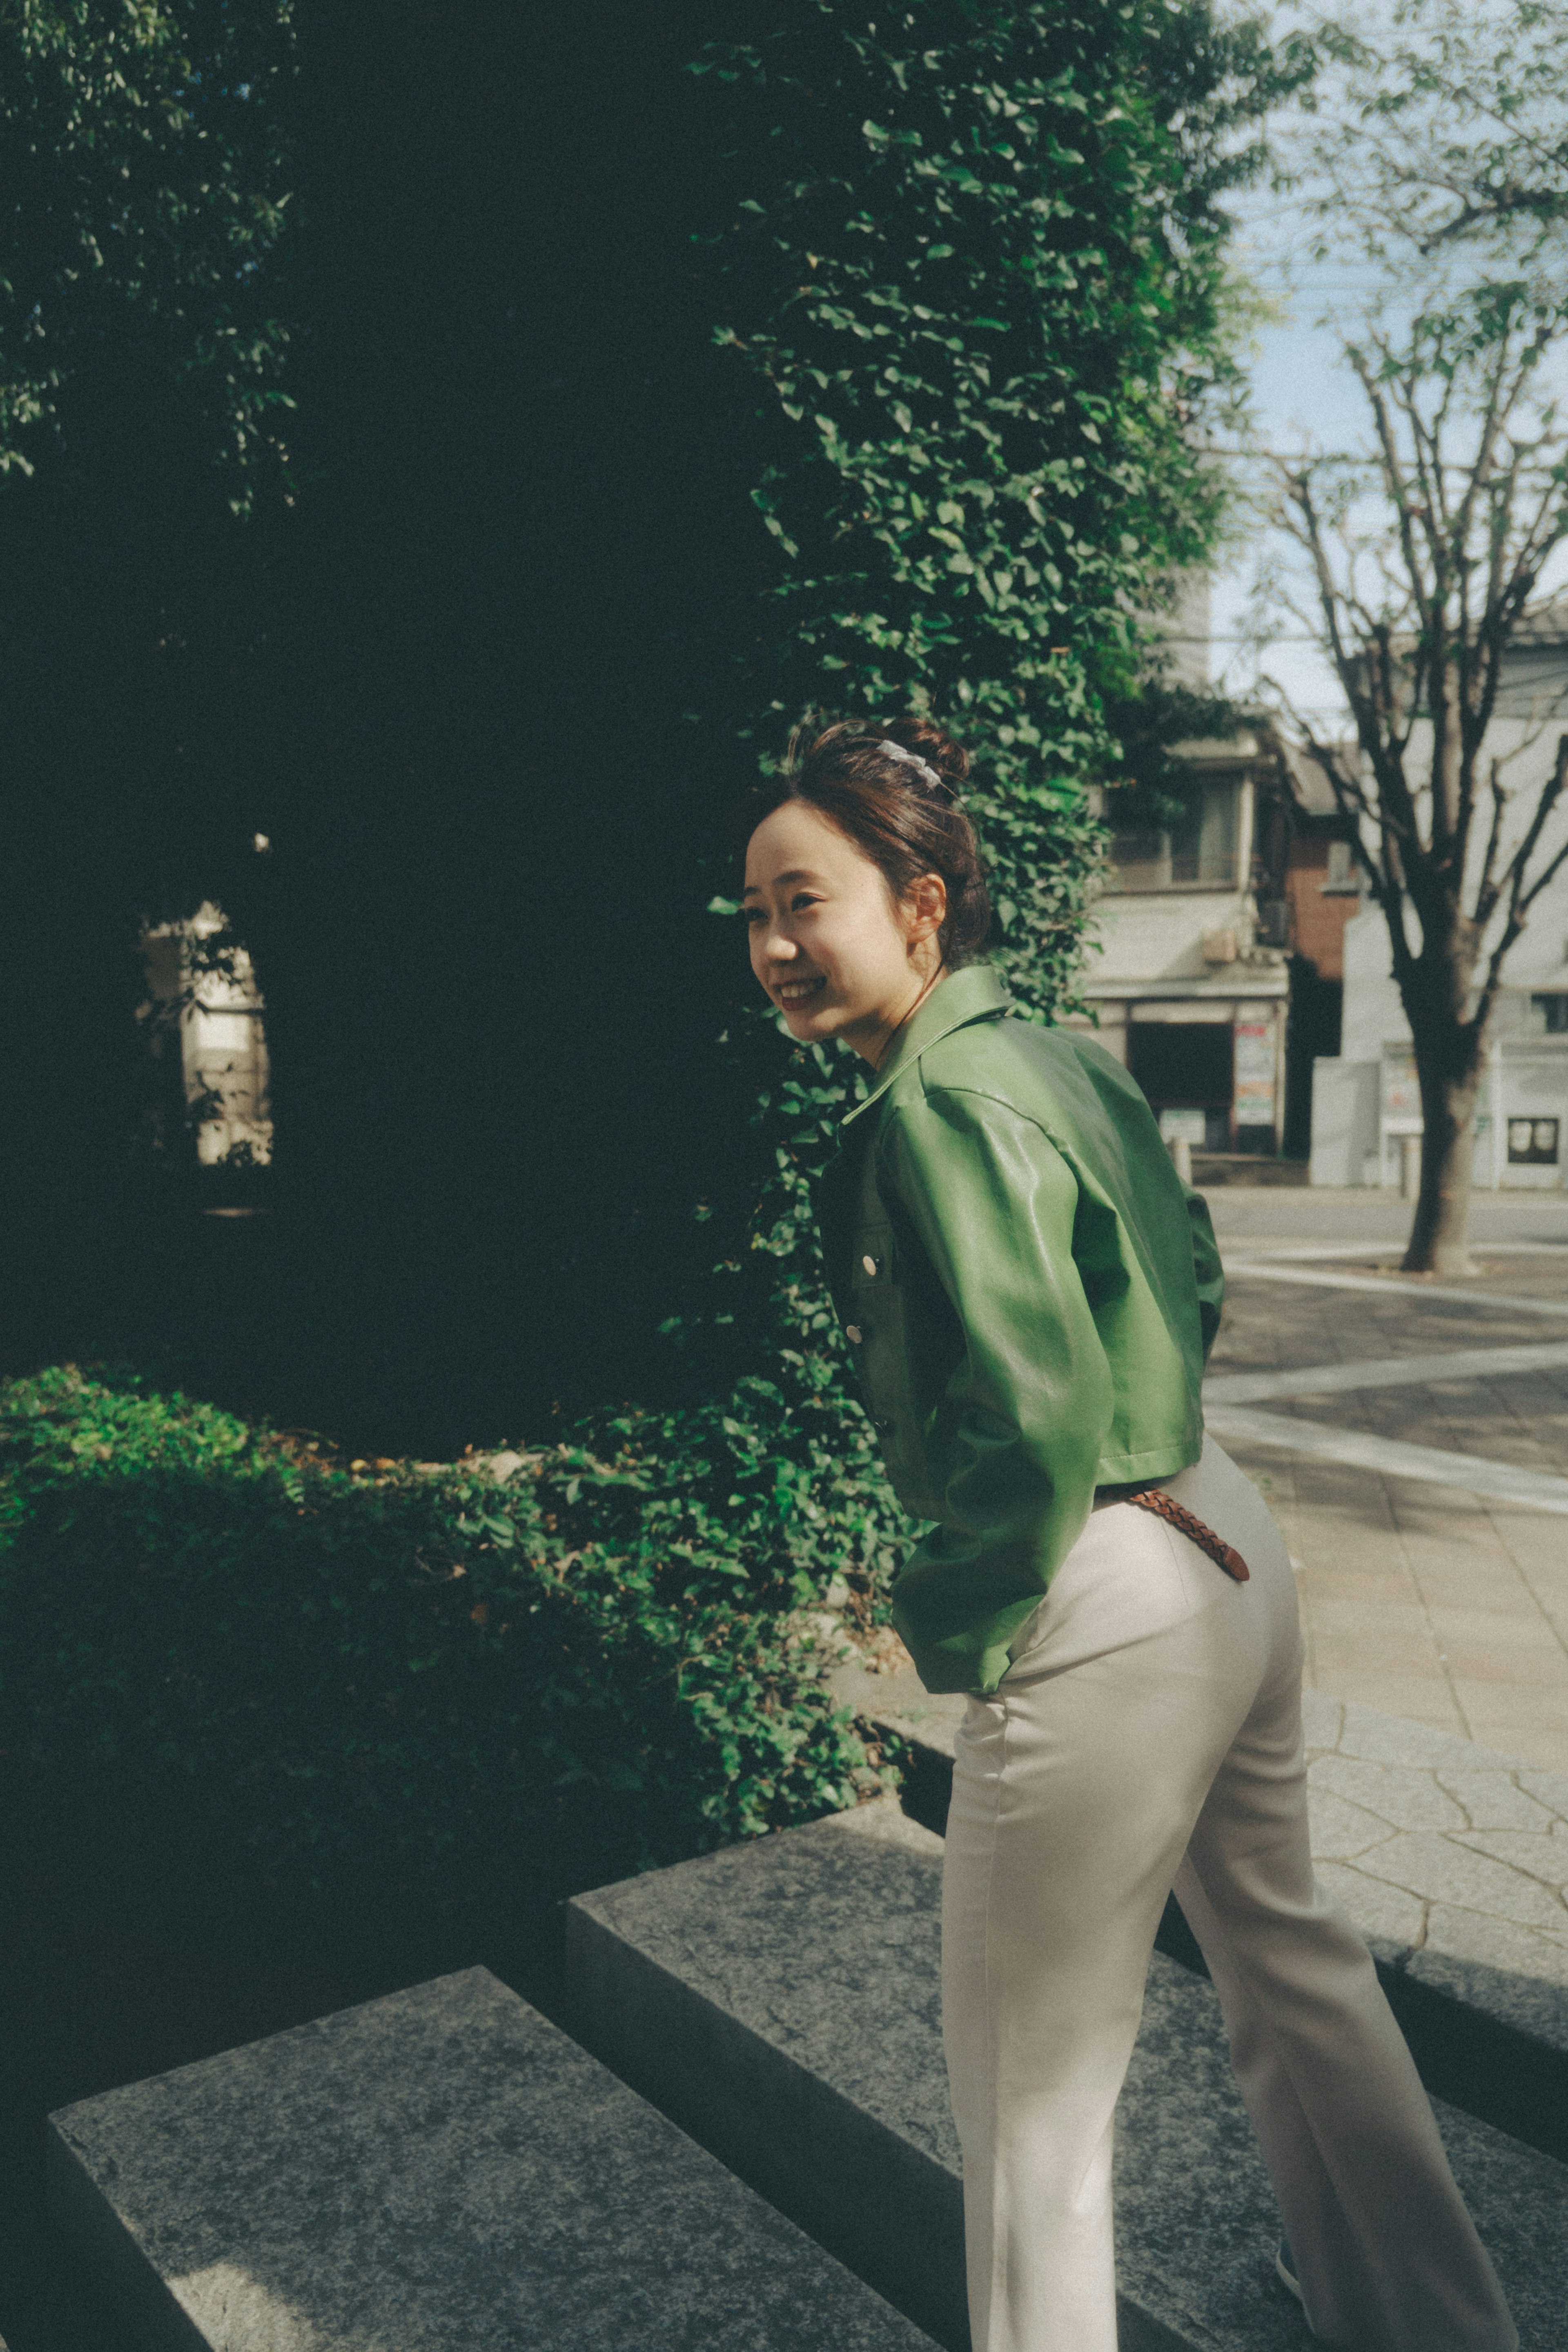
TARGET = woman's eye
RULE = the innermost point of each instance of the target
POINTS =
(801, 900)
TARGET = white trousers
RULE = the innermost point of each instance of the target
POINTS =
(1149, 1734)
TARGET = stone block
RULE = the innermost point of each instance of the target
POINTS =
(902, 1701)
(1322, 1718)
(1382, 1739)
(1514, 1976)
(783, 2000)
(1542, 1855)
(441, 2168)
(1393, 1803)
(1491, 1800)
(1549, 1788)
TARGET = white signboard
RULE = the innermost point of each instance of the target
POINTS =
(1401, 1095)
(1254, 1073)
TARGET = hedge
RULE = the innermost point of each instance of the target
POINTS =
(607, 1658)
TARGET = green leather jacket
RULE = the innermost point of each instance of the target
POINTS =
(1030, 1293)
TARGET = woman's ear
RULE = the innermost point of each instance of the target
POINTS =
(925, 908)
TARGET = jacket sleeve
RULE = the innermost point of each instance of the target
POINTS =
(1028, 1407)
(1207, 1266)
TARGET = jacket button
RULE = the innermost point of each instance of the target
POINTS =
(868, 1264)
(854, 1332)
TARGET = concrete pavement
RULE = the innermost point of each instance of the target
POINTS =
(1425, 1506)
(1325, 1212)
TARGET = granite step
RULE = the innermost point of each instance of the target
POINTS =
(1451, 1859)
(780, 2001)
(436, 2170)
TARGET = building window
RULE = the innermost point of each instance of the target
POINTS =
(1196, 852)
(1554, 1011)
(1341, 874)
(1533, 1143)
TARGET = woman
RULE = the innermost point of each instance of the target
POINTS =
(1029, 1294)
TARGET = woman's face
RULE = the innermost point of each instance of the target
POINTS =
(829, 944)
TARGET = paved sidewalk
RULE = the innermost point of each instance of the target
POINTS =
(1354, 1214)
(1452, 1860)
(1419, 1470)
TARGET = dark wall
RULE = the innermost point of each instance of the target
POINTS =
(477, 687)
(1316, 1005)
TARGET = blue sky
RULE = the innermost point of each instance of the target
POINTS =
(1302, 393)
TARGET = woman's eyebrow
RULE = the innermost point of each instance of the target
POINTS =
(796, 873)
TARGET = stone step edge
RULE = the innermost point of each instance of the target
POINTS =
(181, 2261)
(779, 1999)
(1489, 2065)
(886, 2210)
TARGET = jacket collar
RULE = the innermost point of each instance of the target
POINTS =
(975, 994)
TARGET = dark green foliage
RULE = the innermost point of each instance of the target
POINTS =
(1152, 788)
(146, 181)
(144, 186)
(975, 268)
(509, 578)
(599, 1663)
(976, 265)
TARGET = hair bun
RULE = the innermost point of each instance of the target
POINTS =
(934, 745)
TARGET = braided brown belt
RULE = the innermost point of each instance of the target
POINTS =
(1165, 1507)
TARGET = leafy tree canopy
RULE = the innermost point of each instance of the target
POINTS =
(1455, 115)
(144, 186)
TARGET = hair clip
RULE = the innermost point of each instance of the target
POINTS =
(913, 760)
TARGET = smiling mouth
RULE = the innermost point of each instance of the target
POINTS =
(797, 992)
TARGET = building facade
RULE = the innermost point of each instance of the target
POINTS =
(1366, 1122)
(1217, 971)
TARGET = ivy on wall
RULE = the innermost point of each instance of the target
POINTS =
(974, 277)
(976, 271)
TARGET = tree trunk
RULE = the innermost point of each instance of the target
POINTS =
(1439, 1238)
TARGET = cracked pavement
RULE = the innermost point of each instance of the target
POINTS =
(1424, 1514)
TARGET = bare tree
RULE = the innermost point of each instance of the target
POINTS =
(1429, 155)
(1459, 114)
(1423, 558)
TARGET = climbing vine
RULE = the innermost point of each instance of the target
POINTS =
(974, 284)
